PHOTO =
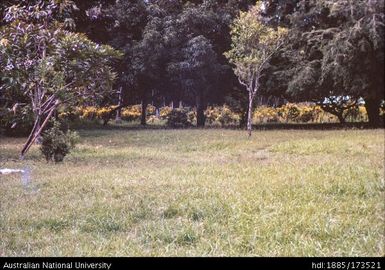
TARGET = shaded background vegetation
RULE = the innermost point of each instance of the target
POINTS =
(173, 54)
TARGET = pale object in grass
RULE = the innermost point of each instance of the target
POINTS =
(9, 171)
(25, 174)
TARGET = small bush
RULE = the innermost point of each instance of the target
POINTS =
(178, 118)
(131, 113)
(306, 115)
(89, 113)
(165, 112)
(264, 114)
(56, 143)
(293, 112)
(192, 117)
(212, 114)
(221, 115)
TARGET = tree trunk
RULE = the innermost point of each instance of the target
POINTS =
(341, 118)
(35, 128)
(38, 128)
(249, 114)
(201, 119)
(143, 118)
(118, 117)
(373, 109)
(38, 138)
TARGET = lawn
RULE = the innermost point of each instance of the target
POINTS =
(197, 192)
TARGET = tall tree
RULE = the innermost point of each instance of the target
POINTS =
(335, 50)
(148, 55)
(253, 46)
(199, 70)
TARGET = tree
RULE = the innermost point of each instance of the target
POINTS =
(148, 56)
(354, 58)
(335, 49)
(338, 105)
(161, 30)
(199, 69)
(49, 64)
(253, 45)
(200, 25)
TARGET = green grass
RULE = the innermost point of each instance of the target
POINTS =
(199, 193)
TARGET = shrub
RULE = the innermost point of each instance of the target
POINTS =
(104, 112)
(89, 113)
(150, 110)
(212, 113)
(293, 112)
(221, 115)
(192, 116)
(382, 110)
(132, 113)
(352, 113)
(165, 112)
(178, 118)
(69, 116)
(56, 143)
(265, 114)
(306, 114)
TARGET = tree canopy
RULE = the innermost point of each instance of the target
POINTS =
(253, 46)
(50, 65)
(335, 48)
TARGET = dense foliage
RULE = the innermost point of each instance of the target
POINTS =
(48, 65)
(253, 46)
(335, 49)
(57, 143)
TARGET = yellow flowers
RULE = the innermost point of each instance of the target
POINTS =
(223, 115)
(300, 113)
(132, 112)
(165, 112)
(88, 113)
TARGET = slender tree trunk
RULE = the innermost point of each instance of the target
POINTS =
(249, 114)
(373, 109)
(201, 119)
(341, 118)
(118, 117)
(36, 127)
(38, 138)
(37, 130)
(143, 118)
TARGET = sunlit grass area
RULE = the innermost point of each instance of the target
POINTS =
(198, 193)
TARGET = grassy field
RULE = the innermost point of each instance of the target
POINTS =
(199, 193)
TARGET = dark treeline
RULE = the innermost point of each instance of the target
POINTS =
(173, 51)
